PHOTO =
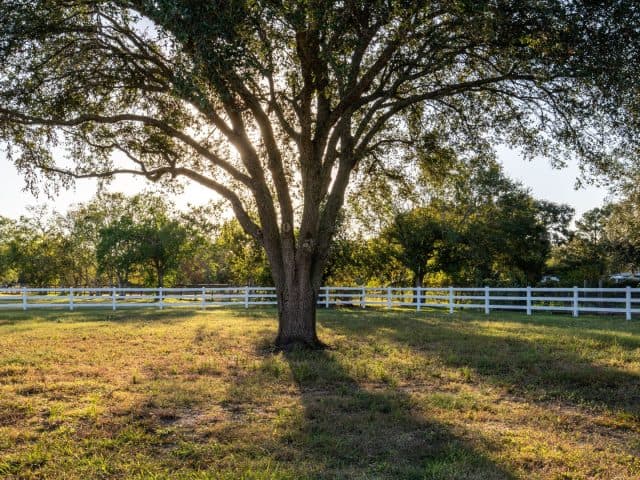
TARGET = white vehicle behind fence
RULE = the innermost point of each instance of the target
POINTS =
(550, 279)
(624, 277)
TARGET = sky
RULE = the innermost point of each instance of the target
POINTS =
(548, 183)
(14, 200)
(544, 182)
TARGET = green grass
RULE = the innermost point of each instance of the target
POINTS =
(400, 395)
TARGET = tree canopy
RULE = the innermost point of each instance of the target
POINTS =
(278, 105)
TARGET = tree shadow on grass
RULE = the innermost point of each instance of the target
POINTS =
(548, 365)
(354, 431)
(339, 429)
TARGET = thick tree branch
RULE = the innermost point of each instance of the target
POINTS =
(275, 164)
(157, 173)
(364, 135)
(17, 117)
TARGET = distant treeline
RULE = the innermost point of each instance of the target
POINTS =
(476, 228)
(128, 241)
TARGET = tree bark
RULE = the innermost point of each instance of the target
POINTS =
(297, 302)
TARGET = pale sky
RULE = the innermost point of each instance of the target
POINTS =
(545, 183)
(14, 200)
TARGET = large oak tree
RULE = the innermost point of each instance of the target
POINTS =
(277, 104)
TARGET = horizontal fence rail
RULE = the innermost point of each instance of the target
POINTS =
(571, 300)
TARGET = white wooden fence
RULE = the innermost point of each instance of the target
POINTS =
(572, 300)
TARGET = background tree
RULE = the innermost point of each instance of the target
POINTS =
(622, 232)
(490, 229)
(240, 258)
(417, 233)
(7, 273)
(200, 262)
(161, 244)
(585, 257)
(80, 237)
(36, 250)
(521, 241)
(145, 235)
(118, 250)
(276, 106)
(472, 226)
(358, 260)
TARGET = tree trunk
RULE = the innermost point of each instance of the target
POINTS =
(297, 302)
(159, 273)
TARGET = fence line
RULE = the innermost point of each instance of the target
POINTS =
(571, 300)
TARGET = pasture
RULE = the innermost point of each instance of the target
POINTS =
(399, 395)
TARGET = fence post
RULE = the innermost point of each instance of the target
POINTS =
(71, 299)
(487, 304)
(326, 297)
(113, 298)
(160, 297)
(450, 299)
(388, 297)
(203, 301)
(528, 300)
(628, 303)
(575, 302)
(246, 296)
(418, 298)
(363, 297)
(24, 298)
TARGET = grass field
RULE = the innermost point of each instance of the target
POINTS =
(400, 395)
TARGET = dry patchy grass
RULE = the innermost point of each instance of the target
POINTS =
(193, 395)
